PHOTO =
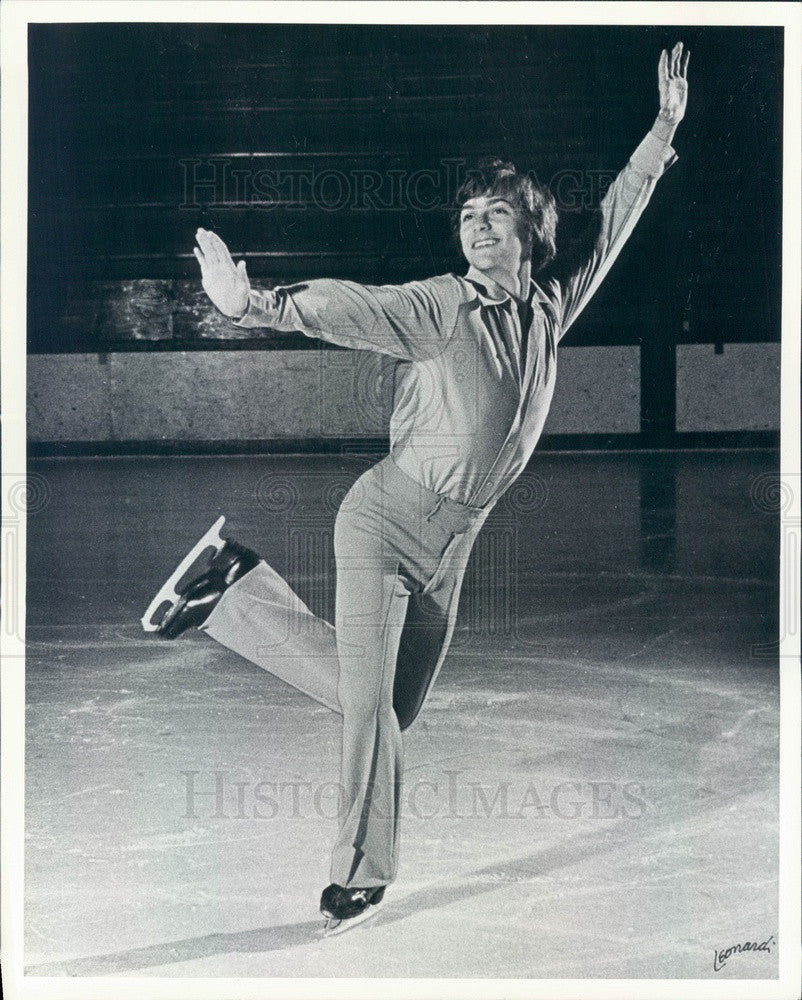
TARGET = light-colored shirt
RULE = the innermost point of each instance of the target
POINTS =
(472, 388)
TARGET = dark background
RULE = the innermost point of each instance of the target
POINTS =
(116, 108)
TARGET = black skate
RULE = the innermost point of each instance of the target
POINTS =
(345, 908)
(194, 602)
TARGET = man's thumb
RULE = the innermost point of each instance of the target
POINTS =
(241, 268)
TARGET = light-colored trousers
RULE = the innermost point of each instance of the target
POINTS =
(401, 552)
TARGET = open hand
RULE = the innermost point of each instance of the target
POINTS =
(225, 282)
(672, 81)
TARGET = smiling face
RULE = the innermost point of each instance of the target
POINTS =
(489, 233)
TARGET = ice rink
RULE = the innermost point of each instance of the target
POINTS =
(591, 789)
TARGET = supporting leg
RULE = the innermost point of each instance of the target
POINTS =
(395, 619)
(424, 644)
(370, 615)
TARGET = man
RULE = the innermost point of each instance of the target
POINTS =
(476, 375)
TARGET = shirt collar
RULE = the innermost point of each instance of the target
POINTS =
(491, 293)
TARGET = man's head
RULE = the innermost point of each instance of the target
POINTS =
(503, 218)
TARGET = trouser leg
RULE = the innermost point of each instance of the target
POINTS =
(351, 671)
(392, 644)
(371, 606)
(398, 586)
(263, 619)
(428, 630)
(399, 576)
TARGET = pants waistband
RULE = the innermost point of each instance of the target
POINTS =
(426, 496)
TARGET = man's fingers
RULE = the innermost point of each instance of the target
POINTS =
(675, 58)
(223, 255)
(214, 249)
(684, 71)
(199, 257)
(662, 66)
(207, 245)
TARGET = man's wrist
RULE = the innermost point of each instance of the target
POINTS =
(664, 126)
(241, 315)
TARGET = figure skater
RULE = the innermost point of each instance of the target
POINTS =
(477, 363)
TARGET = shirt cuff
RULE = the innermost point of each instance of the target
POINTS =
(653, 156)
(248, 318)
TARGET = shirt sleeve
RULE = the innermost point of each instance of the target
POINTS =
(620, 210)
(411, 321)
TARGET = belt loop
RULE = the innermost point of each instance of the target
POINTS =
(436, 507)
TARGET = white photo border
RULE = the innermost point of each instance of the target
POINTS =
(15, 15)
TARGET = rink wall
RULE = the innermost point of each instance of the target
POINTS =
(320, 396)
(336, 151)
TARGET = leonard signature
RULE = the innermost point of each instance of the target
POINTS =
(720, 957)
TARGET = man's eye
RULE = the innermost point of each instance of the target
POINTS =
(501, 209)
(467, 218)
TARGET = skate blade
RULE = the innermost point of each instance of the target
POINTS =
(168, 594)
(332, 926)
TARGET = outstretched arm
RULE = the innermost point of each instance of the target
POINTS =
(627, 196)
(410, 322)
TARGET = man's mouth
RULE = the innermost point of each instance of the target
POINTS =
(487, 242)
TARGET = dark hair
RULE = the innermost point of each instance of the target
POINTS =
(535, 204)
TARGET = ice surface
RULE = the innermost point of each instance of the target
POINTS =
(591, 792)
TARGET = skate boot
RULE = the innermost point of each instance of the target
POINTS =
(345, 908)
(192, 604)
(200, 597)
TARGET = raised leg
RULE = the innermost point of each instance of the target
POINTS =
(263, 619)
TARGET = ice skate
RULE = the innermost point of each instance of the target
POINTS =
(200, 596)
(347, 908)
(220, 563)
(168, 595)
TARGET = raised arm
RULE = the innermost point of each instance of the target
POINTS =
(628, 195)
(672, 85)
(410, 321)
